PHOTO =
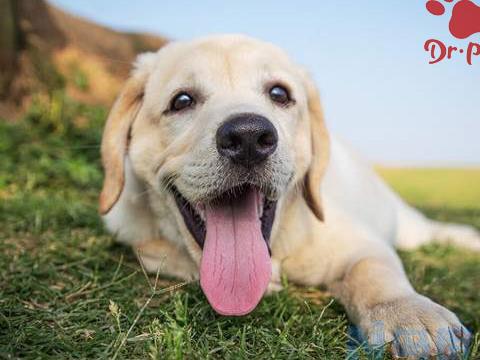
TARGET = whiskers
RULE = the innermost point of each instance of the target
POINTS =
(166, 182)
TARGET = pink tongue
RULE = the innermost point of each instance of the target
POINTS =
(236, 268)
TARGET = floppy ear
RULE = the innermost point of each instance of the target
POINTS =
(116, 136)
(320, 152)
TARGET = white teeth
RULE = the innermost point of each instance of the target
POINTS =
(200, 209)
(261, 202)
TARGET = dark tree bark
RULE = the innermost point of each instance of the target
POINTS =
(9, 43)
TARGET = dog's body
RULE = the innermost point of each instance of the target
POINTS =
(344, 239)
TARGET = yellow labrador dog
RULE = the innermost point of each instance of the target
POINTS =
(218, 166)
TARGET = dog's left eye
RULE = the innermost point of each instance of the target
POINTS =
(280, 95)
(182, 101)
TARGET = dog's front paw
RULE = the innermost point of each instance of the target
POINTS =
(275, 284)
(415, 327)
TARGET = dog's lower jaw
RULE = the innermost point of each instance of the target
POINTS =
(162, 256)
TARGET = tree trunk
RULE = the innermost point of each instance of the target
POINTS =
(9, 43)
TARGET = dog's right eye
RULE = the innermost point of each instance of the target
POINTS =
(181, 102)
(280, 95)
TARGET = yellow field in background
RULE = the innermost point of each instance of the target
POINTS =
(436, 187)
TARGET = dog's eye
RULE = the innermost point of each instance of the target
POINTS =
(280, 95)
(181, 101)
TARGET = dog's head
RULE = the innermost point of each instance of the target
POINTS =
(227, 126)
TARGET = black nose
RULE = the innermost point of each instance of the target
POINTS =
(247, 139)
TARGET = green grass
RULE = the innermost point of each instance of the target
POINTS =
(436, 187)
(68, 291)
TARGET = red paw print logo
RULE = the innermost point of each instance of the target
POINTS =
(464, 22)
(465, 16)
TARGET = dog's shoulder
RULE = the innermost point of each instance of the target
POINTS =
(131, 219)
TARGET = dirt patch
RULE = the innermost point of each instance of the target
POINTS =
(55, 50)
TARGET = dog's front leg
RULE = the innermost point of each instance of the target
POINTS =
(382, 303)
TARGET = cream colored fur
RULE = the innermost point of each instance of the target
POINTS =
(351, 251)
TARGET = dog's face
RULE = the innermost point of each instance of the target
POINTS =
(225, 126)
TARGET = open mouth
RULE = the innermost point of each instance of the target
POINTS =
(234, 231)
(194, 216)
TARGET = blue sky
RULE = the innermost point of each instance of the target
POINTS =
(379, 92)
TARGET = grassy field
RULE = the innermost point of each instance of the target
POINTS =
(68, 291)
(436, 188)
